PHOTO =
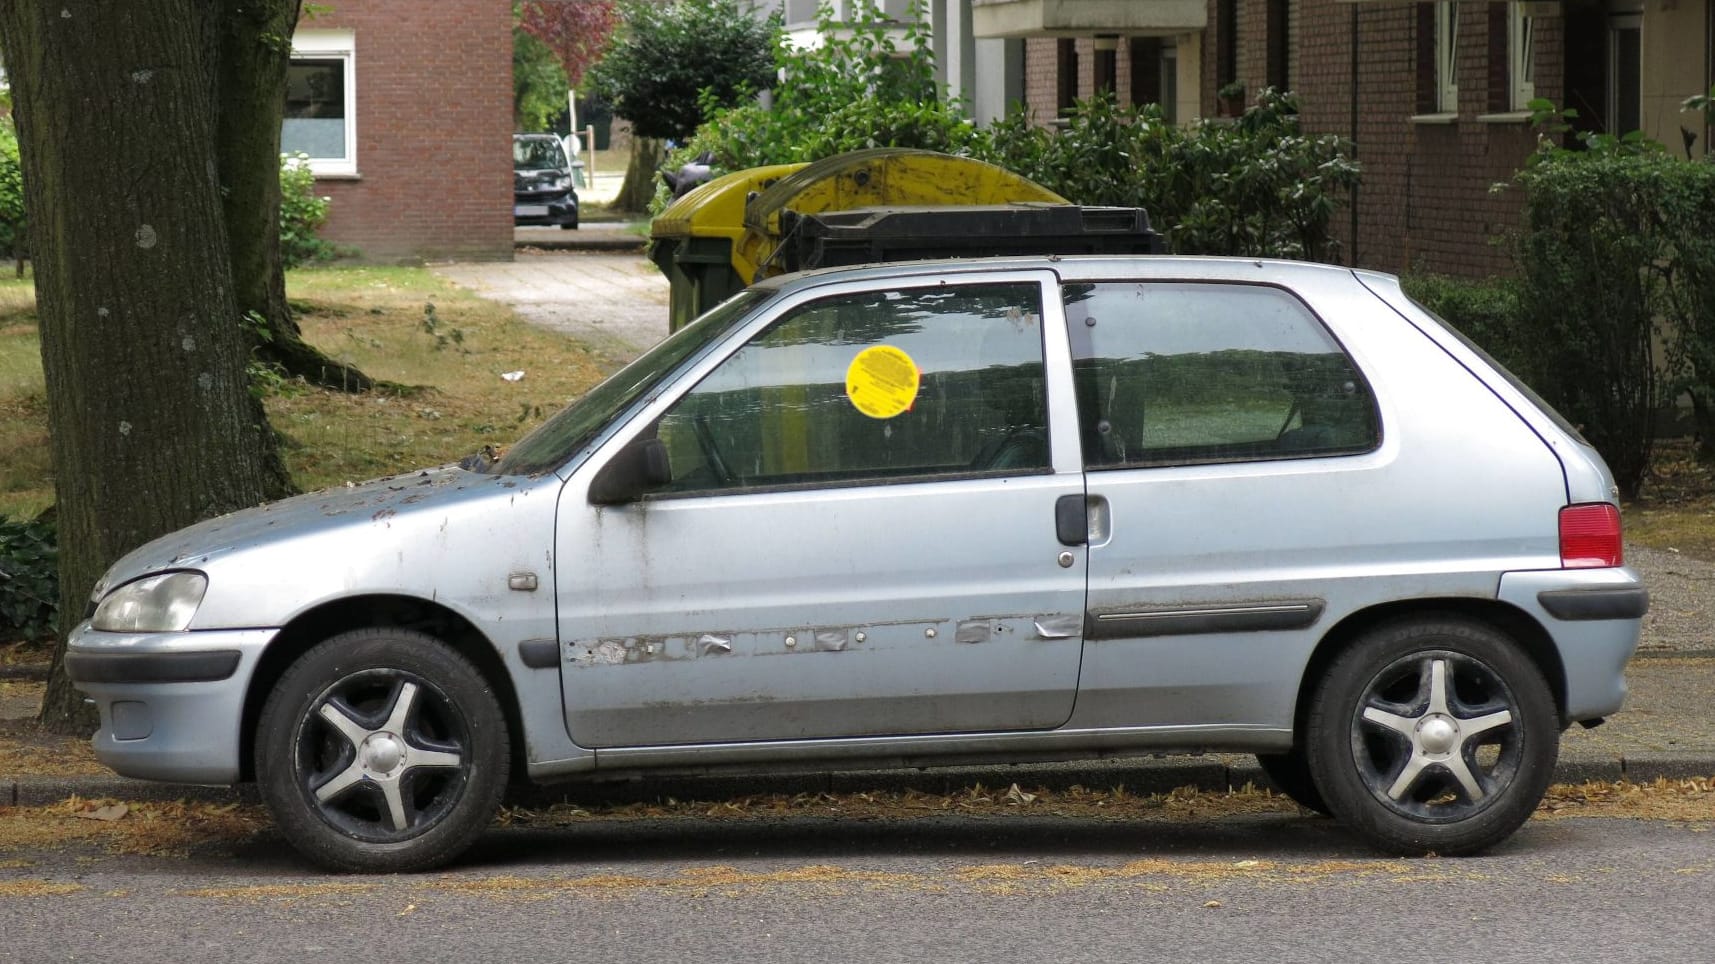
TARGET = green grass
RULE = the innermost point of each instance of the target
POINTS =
(447, 399)
(26, 471)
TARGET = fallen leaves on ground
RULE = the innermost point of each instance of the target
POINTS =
(180, 827)
(168, 828)
(1690, 800)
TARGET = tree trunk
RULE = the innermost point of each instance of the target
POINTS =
(638, 189)
(154, 426)
(255, 50)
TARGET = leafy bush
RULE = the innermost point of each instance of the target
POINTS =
(13, 226)
(669, 59)
(302, 213)
(1687, 208)
(538, 83)
(29, 580)
(1593, 294)
(856, 90)
(1254, 187)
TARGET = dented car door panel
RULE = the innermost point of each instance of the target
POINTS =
(826, 571)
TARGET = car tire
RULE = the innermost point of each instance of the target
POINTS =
(1433, 736)
(382, 751)
(1290, 774)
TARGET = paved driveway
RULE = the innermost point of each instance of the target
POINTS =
(616, 303)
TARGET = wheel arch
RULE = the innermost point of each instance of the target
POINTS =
(1503, 617)
(375, 612)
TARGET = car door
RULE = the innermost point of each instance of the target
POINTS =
(859, 536)
(1238, 489)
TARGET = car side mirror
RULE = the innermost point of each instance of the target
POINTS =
(640, 466)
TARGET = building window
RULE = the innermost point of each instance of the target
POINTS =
(1066, 75)
(1104, 61)
(1278, 71)
(1226, 43)
(1446, 58)
(1521, 57)
(321, 101)
(1625, 74)
(1155, 75)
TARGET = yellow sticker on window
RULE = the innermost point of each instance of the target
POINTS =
(882, 381)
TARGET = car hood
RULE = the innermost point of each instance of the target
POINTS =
(340, 525)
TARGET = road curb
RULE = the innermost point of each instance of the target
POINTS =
(1208, 775)
(606, 244)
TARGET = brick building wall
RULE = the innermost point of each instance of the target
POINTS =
(1425, 203)
(433, 85)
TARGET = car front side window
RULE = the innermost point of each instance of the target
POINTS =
(880, 386)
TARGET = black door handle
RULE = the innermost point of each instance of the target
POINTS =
(1072, 520)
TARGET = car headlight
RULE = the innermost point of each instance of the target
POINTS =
(560, 183)
(161, 603)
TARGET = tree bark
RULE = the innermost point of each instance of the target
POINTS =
(638, 188)
(154, 426)
(255, 48)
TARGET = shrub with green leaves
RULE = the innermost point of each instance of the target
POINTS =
(855, 90)
(13, 224)
(1484, 311)
(29, 580)
(302, 213)
(1255, 187)
(1617, 290)
(669, 61)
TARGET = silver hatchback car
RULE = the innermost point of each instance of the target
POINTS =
(912, 514)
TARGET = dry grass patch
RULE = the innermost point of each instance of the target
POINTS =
(1689, 801)
(1677, 510)
(279, 892)
(1186, 803)
(442, 349)
(26, 471)
(37, 888)
(447, 346)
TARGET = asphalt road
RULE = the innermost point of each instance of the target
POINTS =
(1272, 888)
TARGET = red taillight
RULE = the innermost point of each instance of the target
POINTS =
(1590, 536)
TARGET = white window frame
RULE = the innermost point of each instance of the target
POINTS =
(1447, 57)
(338, 45)
(1521, 56)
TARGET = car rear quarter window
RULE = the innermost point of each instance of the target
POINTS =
(824, 395)
(1193, 373)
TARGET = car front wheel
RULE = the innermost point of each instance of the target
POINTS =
(382, 750)
(1433, 736)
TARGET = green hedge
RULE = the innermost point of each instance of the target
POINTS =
(1257, 186)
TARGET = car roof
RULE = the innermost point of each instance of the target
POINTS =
(1142, 267)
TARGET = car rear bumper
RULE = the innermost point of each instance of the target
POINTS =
(171, 704)
(1594, 617)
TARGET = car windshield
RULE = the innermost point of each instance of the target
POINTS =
(553, 442)
(537, 154)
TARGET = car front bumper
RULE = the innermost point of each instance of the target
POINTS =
(171, 704)
(558, 208)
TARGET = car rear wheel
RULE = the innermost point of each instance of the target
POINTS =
(1433, 736)
(382, 750)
